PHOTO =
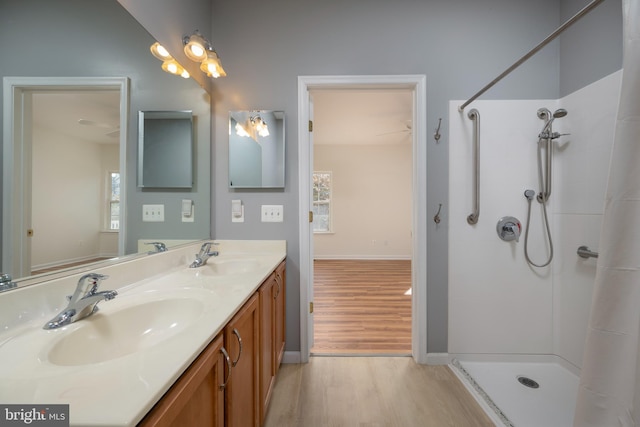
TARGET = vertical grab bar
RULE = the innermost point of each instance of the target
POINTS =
(475, 116)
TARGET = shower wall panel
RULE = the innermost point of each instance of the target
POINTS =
(497, 303)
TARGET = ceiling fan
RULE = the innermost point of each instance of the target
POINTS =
(408, 129)
(113, 132)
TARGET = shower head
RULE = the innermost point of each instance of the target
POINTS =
(545, 114)
(560, 112)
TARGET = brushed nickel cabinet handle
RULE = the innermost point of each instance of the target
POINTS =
(237, 334)
(228, 360)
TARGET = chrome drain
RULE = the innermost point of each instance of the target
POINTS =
(528, 382)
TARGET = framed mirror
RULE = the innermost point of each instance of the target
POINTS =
(256, 149)
(165, 149)
(91, 220)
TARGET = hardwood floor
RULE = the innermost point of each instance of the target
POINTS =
(361, 307)
(371, 392)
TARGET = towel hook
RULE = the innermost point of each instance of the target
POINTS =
(436, 218)
(437, 134)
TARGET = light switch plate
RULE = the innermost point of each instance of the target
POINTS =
(272, 213)
(152, 213)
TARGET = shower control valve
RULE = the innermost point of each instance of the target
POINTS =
(509, 228)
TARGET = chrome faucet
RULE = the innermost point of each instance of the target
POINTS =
(203, 256)
(83, 302)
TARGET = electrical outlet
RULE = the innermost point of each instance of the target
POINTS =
(272, 213)
(152, 213)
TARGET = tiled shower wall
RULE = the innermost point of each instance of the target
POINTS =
(498, 304)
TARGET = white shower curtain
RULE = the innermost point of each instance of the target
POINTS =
(609, 393)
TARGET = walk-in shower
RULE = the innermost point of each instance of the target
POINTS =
(545, 145)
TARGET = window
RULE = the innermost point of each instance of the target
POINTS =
(322, 202)
(113, 204)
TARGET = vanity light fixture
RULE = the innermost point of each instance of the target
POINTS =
(169, 64)
(195, 47)
(199, 49)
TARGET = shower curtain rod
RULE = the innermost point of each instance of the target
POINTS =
(533, 51)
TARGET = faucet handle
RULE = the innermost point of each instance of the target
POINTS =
(95, 277)
(88, 285)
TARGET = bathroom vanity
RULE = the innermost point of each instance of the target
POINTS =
(177, 346)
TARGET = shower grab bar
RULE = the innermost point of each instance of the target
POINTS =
(533, 51)
(585, 252)
(475, 116)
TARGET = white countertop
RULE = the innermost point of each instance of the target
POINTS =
(121, 390)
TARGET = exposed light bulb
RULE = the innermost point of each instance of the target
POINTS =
(213, 71)
(197, 50)
(162, 51)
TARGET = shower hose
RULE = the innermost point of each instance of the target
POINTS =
(543, 199)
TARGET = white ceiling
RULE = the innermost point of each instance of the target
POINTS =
(341, 116)
(60, 111)
(362, 116)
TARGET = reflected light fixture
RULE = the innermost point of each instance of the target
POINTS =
(241, 131)
(199, 49)
(260, 125)
(169, 64)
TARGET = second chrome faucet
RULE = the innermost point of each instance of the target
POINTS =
(203, 256)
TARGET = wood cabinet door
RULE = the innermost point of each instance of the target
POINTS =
(197, 398)
(241, 337)
(280, 324)
(267, 294)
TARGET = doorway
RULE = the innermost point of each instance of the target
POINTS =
(24, 129)
(362, 189)
(416, 86)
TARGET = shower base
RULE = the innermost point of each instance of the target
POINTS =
(507, 390)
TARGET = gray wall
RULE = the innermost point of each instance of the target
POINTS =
(592, 47)
(460, 46)
(100, 38)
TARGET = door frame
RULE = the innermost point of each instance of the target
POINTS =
(416, 83)
(17, 145)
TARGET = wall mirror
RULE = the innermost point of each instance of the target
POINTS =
(77, 91)
(256, 149)
(165, 149)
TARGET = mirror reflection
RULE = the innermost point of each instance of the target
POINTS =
(256, 149)
(83, 166)
(165, 149)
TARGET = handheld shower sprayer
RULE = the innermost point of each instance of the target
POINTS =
(545, 114)
(545, 142)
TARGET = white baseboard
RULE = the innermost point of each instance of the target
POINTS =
(438, 358)
(291, 357)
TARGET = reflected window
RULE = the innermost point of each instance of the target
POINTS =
(113, 208)
(322, 202)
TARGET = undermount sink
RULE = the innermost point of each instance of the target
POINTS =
(104, 337)
(221, 267)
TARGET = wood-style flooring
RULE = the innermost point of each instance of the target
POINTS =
(371, 392)
(362, 307)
